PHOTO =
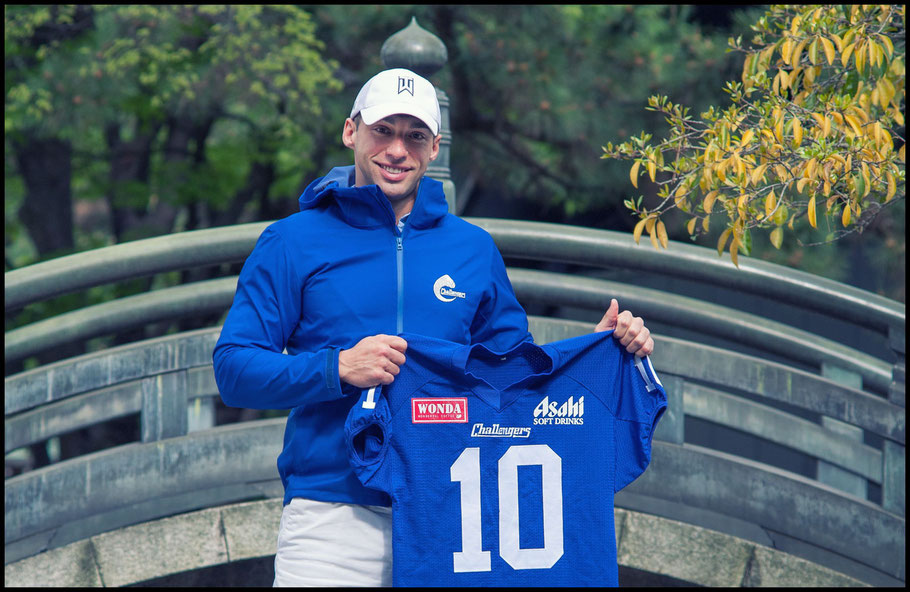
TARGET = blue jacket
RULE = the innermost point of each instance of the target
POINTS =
(340, 270)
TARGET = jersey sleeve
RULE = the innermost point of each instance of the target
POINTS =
(641, 401)
(366, 434)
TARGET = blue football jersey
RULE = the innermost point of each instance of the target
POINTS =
(502, 466)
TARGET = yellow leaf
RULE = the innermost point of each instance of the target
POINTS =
(801, 184)
(722, 241)
(662, 233)
(779, 130)
(845, 55)
(690, 227)
(780, 214)
(633, 174)
(886, 92)
(892, 187)
(845, 218)
(812, 212)
(840, 160)
(770, 203)
(705, 223)
(854, 123)
(875, 53)
(784, 80)
(649, 226)
(859, 58)
(819, 119)
(652, 169)
(797, 132)
(741, 204)
(886, 41)
(636, 232)
(747, 137)
(708, 204)
(866, 179)
(829, 50)
(781, 171)
(785, 49)
(838, 41)
(797, 51)
(757, 173)
(813, 52)
(777, 237)
(734, 250)
(848, 38)
(811, 168)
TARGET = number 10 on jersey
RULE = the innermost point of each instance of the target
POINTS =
(466, 471)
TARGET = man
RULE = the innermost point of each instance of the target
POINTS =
(372, 253)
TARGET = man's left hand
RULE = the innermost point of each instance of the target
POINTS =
(628, 329)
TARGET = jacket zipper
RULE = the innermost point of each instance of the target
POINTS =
(400, 261)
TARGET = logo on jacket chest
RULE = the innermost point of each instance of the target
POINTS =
(444, 289)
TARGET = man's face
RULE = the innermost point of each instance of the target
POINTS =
(392, 153)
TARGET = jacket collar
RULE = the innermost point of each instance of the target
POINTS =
(367, 206)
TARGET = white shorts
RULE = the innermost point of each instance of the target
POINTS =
(333, 544)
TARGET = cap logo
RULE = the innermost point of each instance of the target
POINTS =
(405, 85)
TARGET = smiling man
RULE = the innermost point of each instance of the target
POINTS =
(321, 302)
(394, 133)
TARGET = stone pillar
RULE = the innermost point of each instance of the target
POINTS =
(422, 52)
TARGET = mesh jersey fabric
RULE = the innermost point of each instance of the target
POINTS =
(502, 466)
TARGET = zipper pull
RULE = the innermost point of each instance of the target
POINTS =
(398, 240)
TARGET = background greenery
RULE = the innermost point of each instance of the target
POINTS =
(124, 122)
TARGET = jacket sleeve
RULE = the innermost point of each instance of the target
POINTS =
(500, 322)
(250, 369)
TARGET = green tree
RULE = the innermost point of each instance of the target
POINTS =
(162, 110)
(814, 132)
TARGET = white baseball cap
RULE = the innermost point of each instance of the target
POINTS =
(398, 91)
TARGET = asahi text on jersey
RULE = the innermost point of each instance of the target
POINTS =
(439, 410)
(550, 412)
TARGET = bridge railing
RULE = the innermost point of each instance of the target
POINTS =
(781, 384)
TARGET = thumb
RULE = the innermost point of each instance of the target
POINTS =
(608, 322)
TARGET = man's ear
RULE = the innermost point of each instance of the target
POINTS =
(348, 132)
(435, 152)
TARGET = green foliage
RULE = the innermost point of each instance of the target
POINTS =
(813, 132)
(539, 85)
(243, 81)
(189, 96)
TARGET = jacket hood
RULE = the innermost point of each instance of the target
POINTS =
(368, 206)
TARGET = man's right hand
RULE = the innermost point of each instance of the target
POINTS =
(373, 361)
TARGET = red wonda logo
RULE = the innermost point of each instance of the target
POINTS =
(439, 410)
